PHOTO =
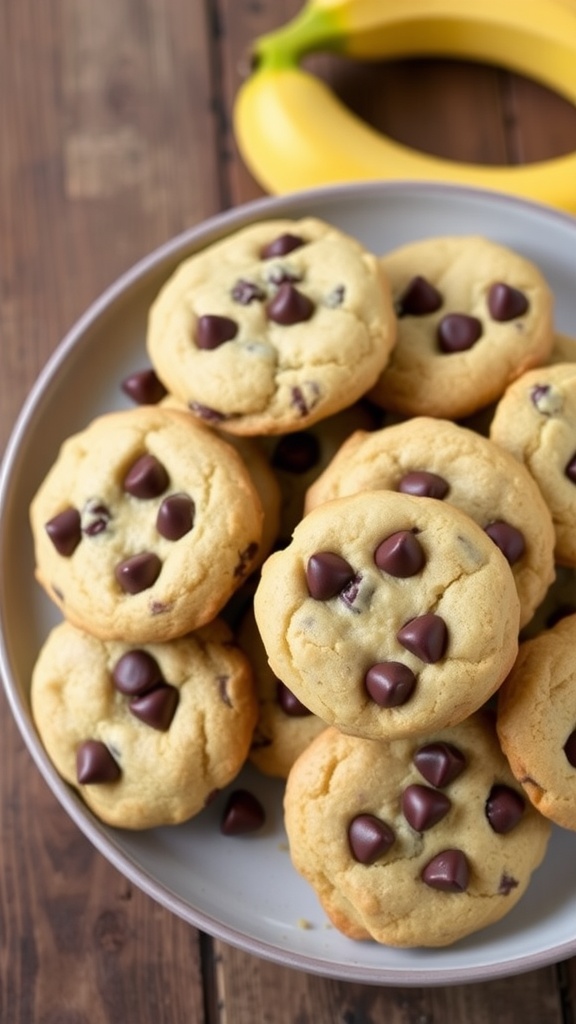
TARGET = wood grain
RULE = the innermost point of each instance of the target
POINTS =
(116, 135)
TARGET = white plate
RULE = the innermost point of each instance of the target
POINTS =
(244, 889)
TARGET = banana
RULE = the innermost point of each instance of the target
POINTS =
(293, 133)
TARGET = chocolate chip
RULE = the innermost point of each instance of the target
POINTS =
(400, 555)
(175, 516)
(423, 484)
(506, 537)
(570, 470)
(64, 531)
(439, 763)
(156, 708)
(144, 388)
(245, 292)
(245, 559)
(424, 807)
(298, 401)
(369, 838)
(94, 763)
(570, 748)
(212, 331)
(136, 672)
(504, 808)
(280, 275)
(289, 306)
(506, 302)
(138, 572)
(350, 592)
(281, 246)
(458, 332)
(546, 399)
(447, 871)
(390, 683)
(296, 453)
(95, 517)
(327, 574)
(419, 298)
(336, 297)
(507, 883)
(289, 702)
(146, 478)
(425, 636)
(206, 413)
(243, 813)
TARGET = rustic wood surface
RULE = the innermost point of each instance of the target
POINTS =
(116, 135)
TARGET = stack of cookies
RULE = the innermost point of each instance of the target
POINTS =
(318, 542)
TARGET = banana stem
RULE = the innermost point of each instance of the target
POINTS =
(312, 29)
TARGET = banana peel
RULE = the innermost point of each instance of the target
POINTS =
(294, 133)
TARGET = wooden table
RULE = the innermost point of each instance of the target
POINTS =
(116, 136)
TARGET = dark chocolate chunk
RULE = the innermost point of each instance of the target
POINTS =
(95, 518)
(506, 302)
(458, 332)
(157, 707)
(351, 591)
(144, 387)
(296, 453)
(508, 538)
(281, 275)
(369, 838)
(400, 554)
(64, 531)
(447, 871)
(298, 400)
(94, 763)
(206, 413)
(390, 683)
(570, 748)
(570, 470)
(281, 246)
(327, 574)
(425, 636)
(504, 808)
(424, 807)
(175, 516)
(212, 331)
(136, 672)
(289, 306)
(245, 292)
(245, 559)
(336, 297)
(146, 478)
(419, 298)
(289, 702)
(243, 813)
(439, 763)
(138, 572)
(424, 484)
(507, 883)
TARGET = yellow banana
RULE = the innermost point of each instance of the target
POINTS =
(294, 133)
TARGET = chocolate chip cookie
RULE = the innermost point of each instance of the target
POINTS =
(413, 842)
(146, 734)
(472, 316)
(145, 525)
(389, 614)
(440, 459)
(273, 328)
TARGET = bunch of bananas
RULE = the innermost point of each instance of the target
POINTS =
(294, 133)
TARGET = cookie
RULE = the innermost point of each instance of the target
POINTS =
(472, 316)
(563, 350)
(412, 842)
(273, 328)
(427, 456)
(537, 721)
(389, 614)
(145, 525)
(535, 421)
(285, 726)
(145, 734)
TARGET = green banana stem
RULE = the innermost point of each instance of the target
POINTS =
(312, 29)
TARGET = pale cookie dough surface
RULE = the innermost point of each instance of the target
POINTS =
(285, 726)
(537, 721)
(136, 554)
(167, 724)
(264, 343)
(449, 367)
(535, 421)
(413, 842)
(434, 457)
(413, 622)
